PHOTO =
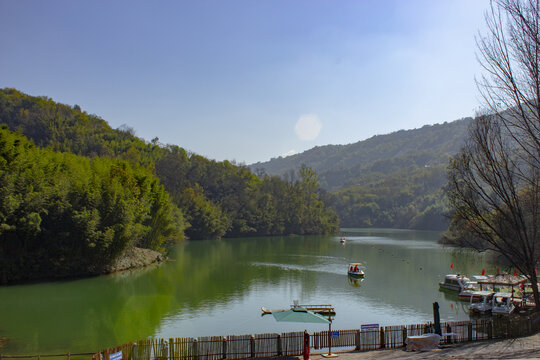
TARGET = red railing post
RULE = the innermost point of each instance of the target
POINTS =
(306, 345)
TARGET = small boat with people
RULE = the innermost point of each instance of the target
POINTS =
(355, 270)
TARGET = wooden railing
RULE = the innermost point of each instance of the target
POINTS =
(67, 356)
(292, 343)
(211, 347)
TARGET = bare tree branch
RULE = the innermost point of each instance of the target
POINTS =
(494, 184)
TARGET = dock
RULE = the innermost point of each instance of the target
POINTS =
(325, 309)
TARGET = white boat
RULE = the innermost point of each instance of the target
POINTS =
(271, 311)
(355, 271)
(471, 290)
(454, 282)
(342, 240)
(469, 294)
(484, 306)
(502, 303)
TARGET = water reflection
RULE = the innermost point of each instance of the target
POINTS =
(355, 282)
(218, 287)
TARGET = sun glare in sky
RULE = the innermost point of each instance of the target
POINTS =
(248, 80)
(308, 127)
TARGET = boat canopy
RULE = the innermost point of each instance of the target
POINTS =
(482, 293)
(503, 295)
(480, 277)
(503, 280)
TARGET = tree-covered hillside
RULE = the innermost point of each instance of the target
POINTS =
(217, 198)
(65, 215)
(340, 166)
(392, 180)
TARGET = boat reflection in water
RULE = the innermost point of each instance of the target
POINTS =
(355, 281)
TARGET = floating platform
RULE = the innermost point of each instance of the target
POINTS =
(326, 310)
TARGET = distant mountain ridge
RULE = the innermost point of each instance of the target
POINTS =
(395, 180)
(340, 166)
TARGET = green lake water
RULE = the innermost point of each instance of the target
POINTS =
(218, 287)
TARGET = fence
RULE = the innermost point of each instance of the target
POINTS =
(391, 337)
(68, 356)
(292, 343)
(211, 347)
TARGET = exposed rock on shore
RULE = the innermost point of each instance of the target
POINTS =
(135, 258)
(3, 341)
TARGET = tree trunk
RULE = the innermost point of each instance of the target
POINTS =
(534, 285)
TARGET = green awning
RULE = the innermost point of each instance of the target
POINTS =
(300, 314)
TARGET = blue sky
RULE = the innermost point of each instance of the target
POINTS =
(248, 80)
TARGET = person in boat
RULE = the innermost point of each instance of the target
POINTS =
(356, 268)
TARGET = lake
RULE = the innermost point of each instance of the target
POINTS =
(218, 287)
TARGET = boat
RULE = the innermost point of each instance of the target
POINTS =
(484, 305)
(472, 288)
(355, 271)
(342, 240)
(454, 282)
(470, 292)
(270, 311)
(502, 303)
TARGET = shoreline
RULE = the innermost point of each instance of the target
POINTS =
(133, 258)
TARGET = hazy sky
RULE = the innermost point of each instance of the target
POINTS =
(248, 80)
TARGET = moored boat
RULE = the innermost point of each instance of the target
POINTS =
(454, 282)
(502, 303)
(484, 305)
(471, 289)
(470, 292)
(271, 311)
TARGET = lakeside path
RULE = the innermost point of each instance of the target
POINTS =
(527, 347)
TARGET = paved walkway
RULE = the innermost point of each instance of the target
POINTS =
(521, 348)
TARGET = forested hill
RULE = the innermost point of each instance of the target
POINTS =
(76, 194)
(340, 166)
(392, 180)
